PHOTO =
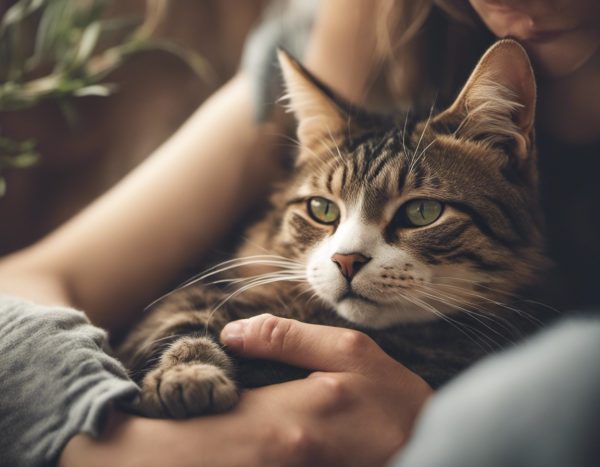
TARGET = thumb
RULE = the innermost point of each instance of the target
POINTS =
(300, 344)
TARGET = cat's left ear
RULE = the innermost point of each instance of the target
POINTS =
(497, 104)
(320, 118)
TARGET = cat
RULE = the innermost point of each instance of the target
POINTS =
(419, 233)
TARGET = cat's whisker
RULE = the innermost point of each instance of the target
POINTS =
(477, 316)
(251, 285)
(479, 283)
(238, 262)
(335, 145)
(262, 280)
(419, 156)
(528, 316)
(404, 133)
(263, 260)
(514, 295)
(296, 292)
(282, 267)
(492, 316)
(237, 280)
(306, 291)
(425, 128)
(272, 276)
(476, 336)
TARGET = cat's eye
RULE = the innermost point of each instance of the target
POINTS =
(421, 212)
(322, 210)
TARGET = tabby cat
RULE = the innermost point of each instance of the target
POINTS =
(420, 233)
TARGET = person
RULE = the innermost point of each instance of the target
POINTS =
(359, 407)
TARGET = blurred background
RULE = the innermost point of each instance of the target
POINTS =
(86, 143)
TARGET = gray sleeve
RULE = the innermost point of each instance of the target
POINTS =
(56, 380)
(537, 405)
(286, 24)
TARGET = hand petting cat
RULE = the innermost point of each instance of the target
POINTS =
(326, 415)
(334, 413)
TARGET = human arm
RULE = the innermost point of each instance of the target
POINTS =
(341, 49)
(357, 409)
(116, 255)
(111, 259)
(119, 253)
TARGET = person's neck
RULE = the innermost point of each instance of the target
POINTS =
(569, 107)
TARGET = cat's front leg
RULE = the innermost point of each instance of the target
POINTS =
(193, 377)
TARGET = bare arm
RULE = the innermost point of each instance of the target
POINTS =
(357, 410)
(117, 254)
(341, 48)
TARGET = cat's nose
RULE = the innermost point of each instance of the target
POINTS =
(349, 264)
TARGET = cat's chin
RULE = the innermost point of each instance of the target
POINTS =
(378, 316)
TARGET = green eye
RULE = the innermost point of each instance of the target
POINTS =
(322, 210)
(421, 212)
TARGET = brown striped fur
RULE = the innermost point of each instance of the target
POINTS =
(435, 297)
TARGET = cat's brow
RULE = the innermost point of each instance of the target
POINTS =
(297, 200)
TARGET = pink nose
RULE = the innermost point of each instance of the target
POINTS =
(349, 264)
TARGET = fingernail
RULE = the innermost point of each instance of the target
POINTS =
(232, 335)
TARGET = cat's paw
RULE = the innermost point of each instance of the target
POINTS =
(186, 390)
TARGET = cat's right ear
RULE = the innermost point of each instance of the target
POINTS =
(320, 118)
(497, 104)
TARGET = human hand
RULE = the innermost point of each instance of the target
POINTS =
(357, 408)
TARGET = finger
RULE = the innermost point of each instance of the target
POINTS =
(300, 344)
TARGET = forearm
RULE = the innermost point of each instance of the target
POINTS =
(20, 275)
(235, 438)
(120, 252)
(341, 48)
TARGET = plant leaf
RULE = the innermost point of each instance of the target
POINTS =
(102, 90)
(88, 42)
(26, 159)
(18, 12)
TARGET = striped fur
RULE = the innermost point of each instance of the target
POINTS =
(435, 297)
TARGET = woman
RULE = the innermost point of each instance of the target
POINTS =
(110, 263)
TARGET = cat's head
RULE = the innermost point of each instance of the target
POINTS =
(397, 221)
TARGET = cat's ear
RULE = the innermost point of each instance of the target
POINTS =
(320, 118)
(497, 104)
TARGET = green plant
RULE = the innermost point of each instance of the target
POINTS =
(64, 49)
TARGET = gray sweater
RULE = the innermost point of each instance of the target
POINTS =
(56, 380)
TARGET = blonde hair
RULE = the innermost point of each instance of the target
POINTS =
(426, 48)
